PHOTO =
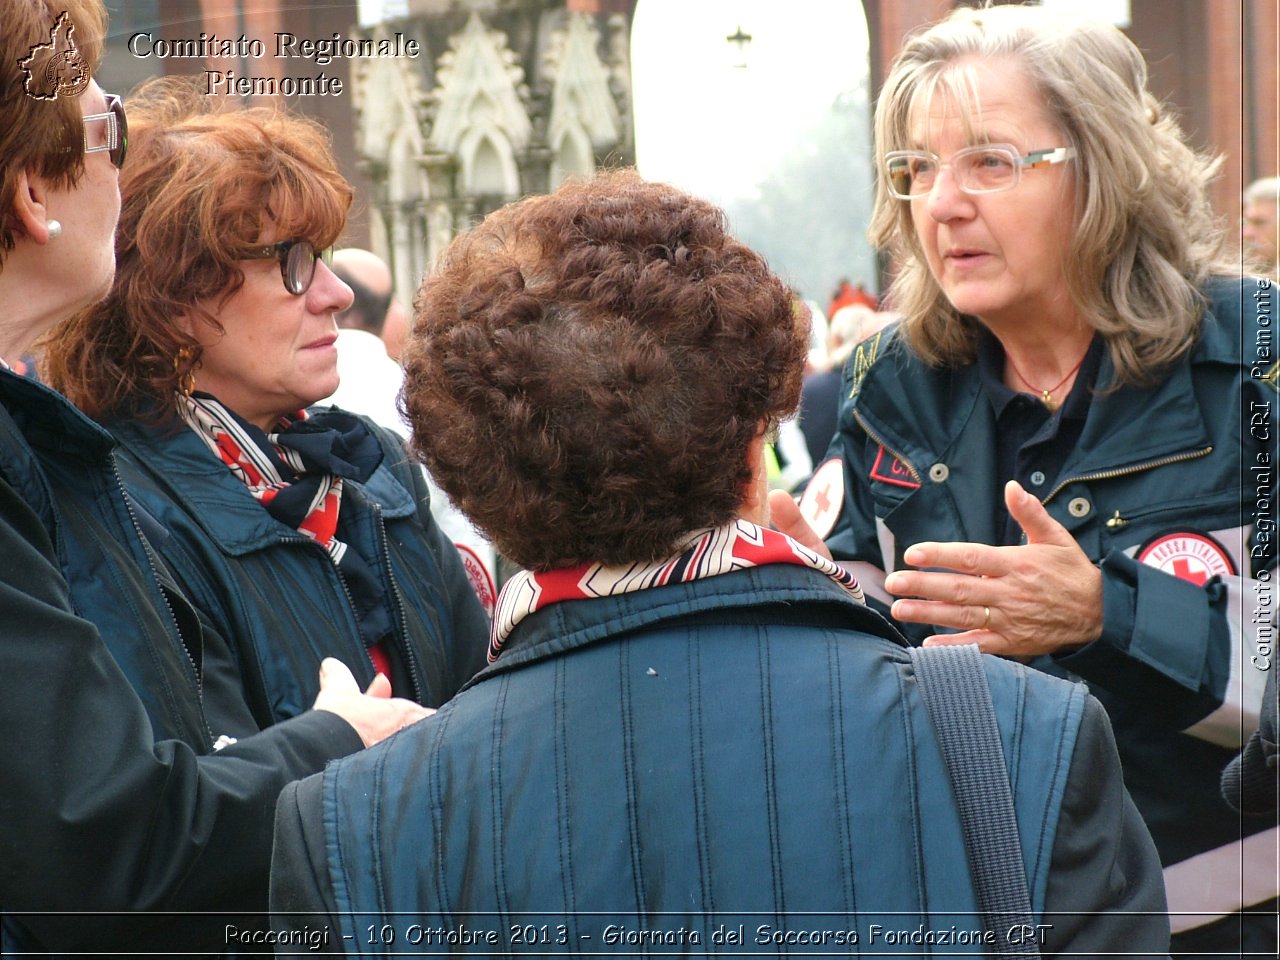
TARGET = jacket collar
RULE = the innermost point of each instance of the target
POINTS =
(49, 420)
(37, 418)
(782, 593)
(918, 411)
(181, 463)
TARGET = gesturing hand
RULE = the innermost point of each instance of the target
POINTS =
(375, 714)
(1041, 597)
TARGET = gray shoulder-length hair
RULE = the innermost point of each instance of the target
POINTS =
(1145, 235)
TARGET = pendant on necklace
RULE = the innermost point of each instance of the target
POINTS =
(1046, 395)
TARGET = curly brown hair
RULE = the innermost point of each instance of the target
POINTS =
(202, 183)
(588, 368)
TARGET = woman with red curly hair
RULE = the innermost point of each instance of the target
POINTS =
(300, 534)
(689, 721)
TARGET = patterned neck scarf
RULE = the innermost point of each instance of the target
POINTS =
(707, 553)
(296, 472)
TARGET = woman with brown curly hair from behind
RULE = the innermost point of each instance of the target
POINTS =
(689, 720)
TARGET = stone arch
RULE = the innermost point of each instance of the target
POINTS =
(390, 144)
(501, 94)
(488, 163)
(571, 156)
(479, 85)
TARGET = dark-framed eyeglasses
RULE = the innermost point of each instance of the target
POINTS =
(297, 262)
(116, 139)
(989, 168)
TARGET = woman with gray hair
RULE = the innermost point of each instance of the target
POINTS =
(1046, 456)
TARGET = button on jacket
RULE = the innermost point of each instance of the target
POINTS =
(746, 749)
(1178, 471)
(276, 596)
(109, 799)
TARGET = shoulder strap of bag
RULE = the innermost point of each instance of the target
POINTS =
(953, 685)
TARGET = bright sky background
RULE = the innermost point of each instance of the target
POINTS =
(782, 144)
(711, 127)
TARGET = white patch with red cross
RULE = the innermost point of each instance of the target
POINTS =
(480, 578)
(1188, 555)
(823, 497)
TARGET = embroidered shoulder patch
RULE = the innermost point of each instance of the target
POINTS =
(823, 498)
(860, 361)
(480, 578)
(889, 469)
(1188, 555)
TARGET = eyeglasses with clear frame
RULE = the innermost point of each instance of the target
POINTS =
(297, 262)
(116, 140)
(988, 168)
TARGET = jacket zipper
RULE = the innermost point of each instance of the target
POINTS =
(915, 474)
(1117, 520)
(411, 660)
(173, 617)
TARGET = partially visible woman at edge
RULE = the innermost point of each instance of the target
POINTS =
(1048, 454)
(112, 797)
(299, 534)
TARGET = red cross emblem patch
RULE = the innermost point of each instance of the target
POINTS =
(823, 498)
(1188, 555)
(480, 578)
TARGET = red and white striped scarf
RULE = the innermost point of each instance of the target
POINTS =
(235, 447)
(707, 553)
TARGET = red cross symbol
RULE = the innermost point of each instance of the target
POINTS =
(824, 497)
(1182, 570)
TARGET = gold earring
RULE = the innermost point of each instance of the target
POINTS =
(184, 367)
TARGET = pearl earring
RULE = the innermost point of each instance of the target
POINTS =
(55, 229)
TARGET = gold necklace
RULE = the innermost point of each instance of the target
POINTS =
(1046, 395)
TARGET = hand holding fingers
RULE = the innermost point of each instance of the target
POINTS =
(961, 601)
(1037, 608)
